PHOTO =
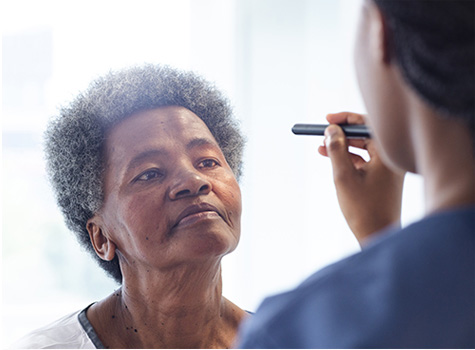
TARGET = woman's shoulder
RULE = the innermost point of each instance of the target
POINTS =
(66, 332)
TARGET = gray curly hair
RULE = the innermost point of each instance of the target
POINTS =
(74, 140)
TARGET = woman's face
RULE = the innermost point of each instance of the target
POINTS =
(170, 195)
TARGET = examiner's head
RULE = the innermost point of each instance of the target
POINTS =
(415, 52)
(128, 149)
(433, 43)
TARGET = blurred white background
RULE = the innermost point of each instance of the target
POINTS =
(279, 61)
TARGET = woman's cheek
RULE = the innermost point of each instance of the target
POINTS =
(142, 217)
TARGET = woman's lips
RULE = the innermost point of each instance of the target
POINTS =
(197, 212)
(194, 218)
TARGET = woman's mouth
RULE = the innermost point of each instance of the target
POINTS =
(196, 217)
(197, 212)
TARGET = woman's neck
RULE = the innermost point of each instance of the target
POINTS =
(180, 308)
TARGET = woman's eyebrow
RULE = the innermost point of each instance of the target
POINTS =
(201, 141)
(143, 156)
(154, 153)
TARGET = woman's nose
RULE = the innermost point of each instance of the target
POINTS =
(189, 183)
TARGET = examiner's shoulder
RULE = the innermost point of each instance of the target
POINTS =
(392, 284)
(64, 333)
(283, 320)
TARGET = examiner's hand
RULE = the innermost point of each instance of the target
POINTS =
(369, 193)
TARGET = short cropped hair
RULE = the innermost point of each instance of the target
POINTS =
(74, 140)
(433, 43)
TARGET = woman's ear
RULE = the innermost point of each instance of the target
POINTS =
(102, 243)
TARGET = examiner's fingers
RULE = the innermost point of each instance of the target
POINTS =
(358, 143)
(323, 151)
(362, 144)
(345, 118)
(357, 160)
(337, 149)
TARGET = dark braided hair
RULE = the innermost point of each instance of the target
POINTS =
(433, 43)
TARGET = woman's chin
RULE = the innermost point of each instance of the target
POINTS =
(205, 239)
(210, 244)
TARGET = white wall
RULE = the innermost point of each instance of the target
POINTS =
(279, 61)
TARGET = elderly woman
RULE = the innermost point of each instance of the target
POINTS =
(144, 165)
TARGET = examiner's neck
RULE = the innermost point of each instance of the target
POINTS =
(445, 158)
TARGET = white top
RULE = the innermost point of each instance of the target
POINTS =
(70, 332)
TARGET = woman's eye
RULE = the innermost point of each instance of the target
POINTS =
(149, 175)
(208, 163)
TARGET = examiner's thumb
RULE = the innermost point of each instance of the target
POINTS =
(337, 150)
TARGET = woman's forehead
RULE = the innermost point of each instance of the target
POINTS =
(170, 121)
(156, 128)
